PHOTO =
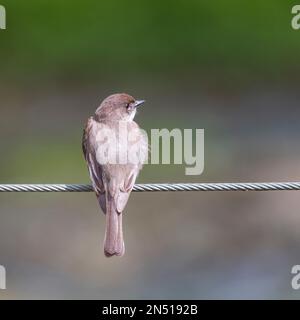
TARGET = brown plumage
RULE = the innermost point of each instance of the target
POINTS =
(112, 178)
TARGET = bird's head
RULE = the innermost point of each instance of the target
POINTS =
(118, 107)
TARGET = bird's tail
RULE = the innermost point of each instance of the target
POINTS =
(113, 241)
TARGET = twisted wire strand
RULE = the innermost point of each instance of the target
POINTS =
(158, 187)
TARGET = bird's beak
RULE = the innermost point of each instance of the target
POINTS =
(138, 103)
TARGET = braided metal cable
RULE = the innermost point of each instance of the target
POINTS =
(156, 187)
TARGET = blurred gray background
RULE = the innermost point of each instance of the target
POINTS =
(227, 67)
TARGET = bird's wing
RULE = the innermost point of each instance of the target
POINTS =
(88, 147)
(131, 171)
(126, 189)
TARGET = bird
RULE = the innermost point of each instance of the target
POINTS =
(115, 149)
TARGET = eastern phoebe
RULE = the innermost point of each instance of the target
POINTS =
(115, 149)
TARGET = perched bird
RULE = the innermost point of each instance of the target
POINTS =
(115, 149)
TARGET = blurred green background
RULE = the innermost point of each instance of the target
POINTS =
(230, 67)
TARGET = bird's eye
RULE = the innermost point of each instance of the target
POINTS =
(129, 106)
